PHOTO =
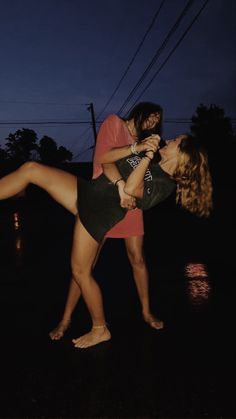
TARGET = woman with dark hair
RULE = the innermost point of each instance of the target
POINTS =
(114, 139)
(183, 166)
(141, 113)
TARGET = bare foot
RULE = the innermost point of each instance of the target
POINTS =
(96, 335)
(153, 322)
(60, 329)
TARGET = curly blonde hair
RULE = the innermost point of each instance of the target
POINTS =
(194, 185)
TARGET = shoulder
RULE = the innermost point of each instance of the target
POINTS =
(114, 120)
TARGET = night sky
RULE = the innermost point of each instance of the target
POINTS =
(57, 56)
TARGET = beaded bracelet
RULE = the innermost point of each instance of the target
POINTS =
(133, 148)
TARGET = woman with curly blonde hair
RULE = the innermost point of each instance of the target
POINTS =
(193, 179)
(96, 203)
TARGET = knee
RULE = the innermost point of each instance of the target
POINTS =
(136, 259)
(79, 272)
(30, 168)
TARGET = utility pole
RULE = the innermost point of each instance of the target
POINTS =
(90, 108)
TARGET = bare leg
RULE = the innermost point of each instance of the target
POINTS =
(62, 186)
(83, 255)
(73, 297)
(134, 247)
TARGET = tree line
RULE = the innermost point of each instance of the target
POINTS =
(23, 146)
(215, 131)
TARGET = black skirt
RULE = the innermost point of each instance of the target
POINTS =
(98, 206)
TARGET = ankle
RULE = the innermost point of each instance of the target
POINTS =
(146, 313)
(66, 320)
(100, 326)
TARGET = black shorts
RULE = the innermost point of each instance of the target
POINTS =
(98, 206)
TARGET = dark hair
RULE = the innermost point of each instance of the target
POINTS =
(190, 145)
(140, 113)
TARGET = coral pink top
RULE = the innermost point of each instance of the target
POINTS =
(114, 133)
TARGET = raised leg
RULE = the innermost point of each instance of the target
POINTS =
(61, 185)
(134, 247)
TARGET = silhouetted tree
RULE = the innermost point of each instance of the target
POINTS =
(215, 132)
(3, 155)
(211, 125)
(64, 154)
(50, 154)
(21, 145)
(47, 150)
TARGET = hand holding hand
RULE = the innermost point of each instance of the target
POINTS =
(149, 144)
(126, 201)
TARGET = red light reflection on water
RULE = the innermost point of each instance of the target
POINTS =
(16, 221)
(19, 241)
(198, 286)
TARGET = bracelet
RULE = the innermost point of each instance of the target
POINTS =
(118, 180)
(147, 157)
(150, 151)
(133, 148)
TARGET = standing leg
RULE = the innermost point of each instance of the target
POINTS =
(134, 247)
(83, 255)
(73, 297)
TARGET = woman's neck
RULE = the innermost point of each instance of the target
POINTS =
(168, 166)
(131, 128)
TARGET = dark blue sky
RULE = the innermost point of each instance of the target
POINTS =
(58, 55)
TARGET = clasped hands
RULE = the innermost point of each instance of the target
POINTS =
(150, 145)
(127, 201)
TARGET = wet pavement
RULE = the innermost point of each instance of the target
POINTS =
(186, 370)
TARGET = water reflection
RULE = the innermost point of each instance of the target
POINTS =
(198, 286)
(18, 244)
(19, 239)
(16, 221)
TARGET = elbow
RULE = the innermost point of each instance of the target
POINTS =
(104, 160)
(100, 161)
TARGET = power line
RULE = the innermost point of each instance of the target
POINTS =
(48, 123)
(157, 54)
(39, 103)
(130, 63)
(172, 51)
(84, 151)
(44, 122)
(134, 56)
(174, 28)
(85, 141)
